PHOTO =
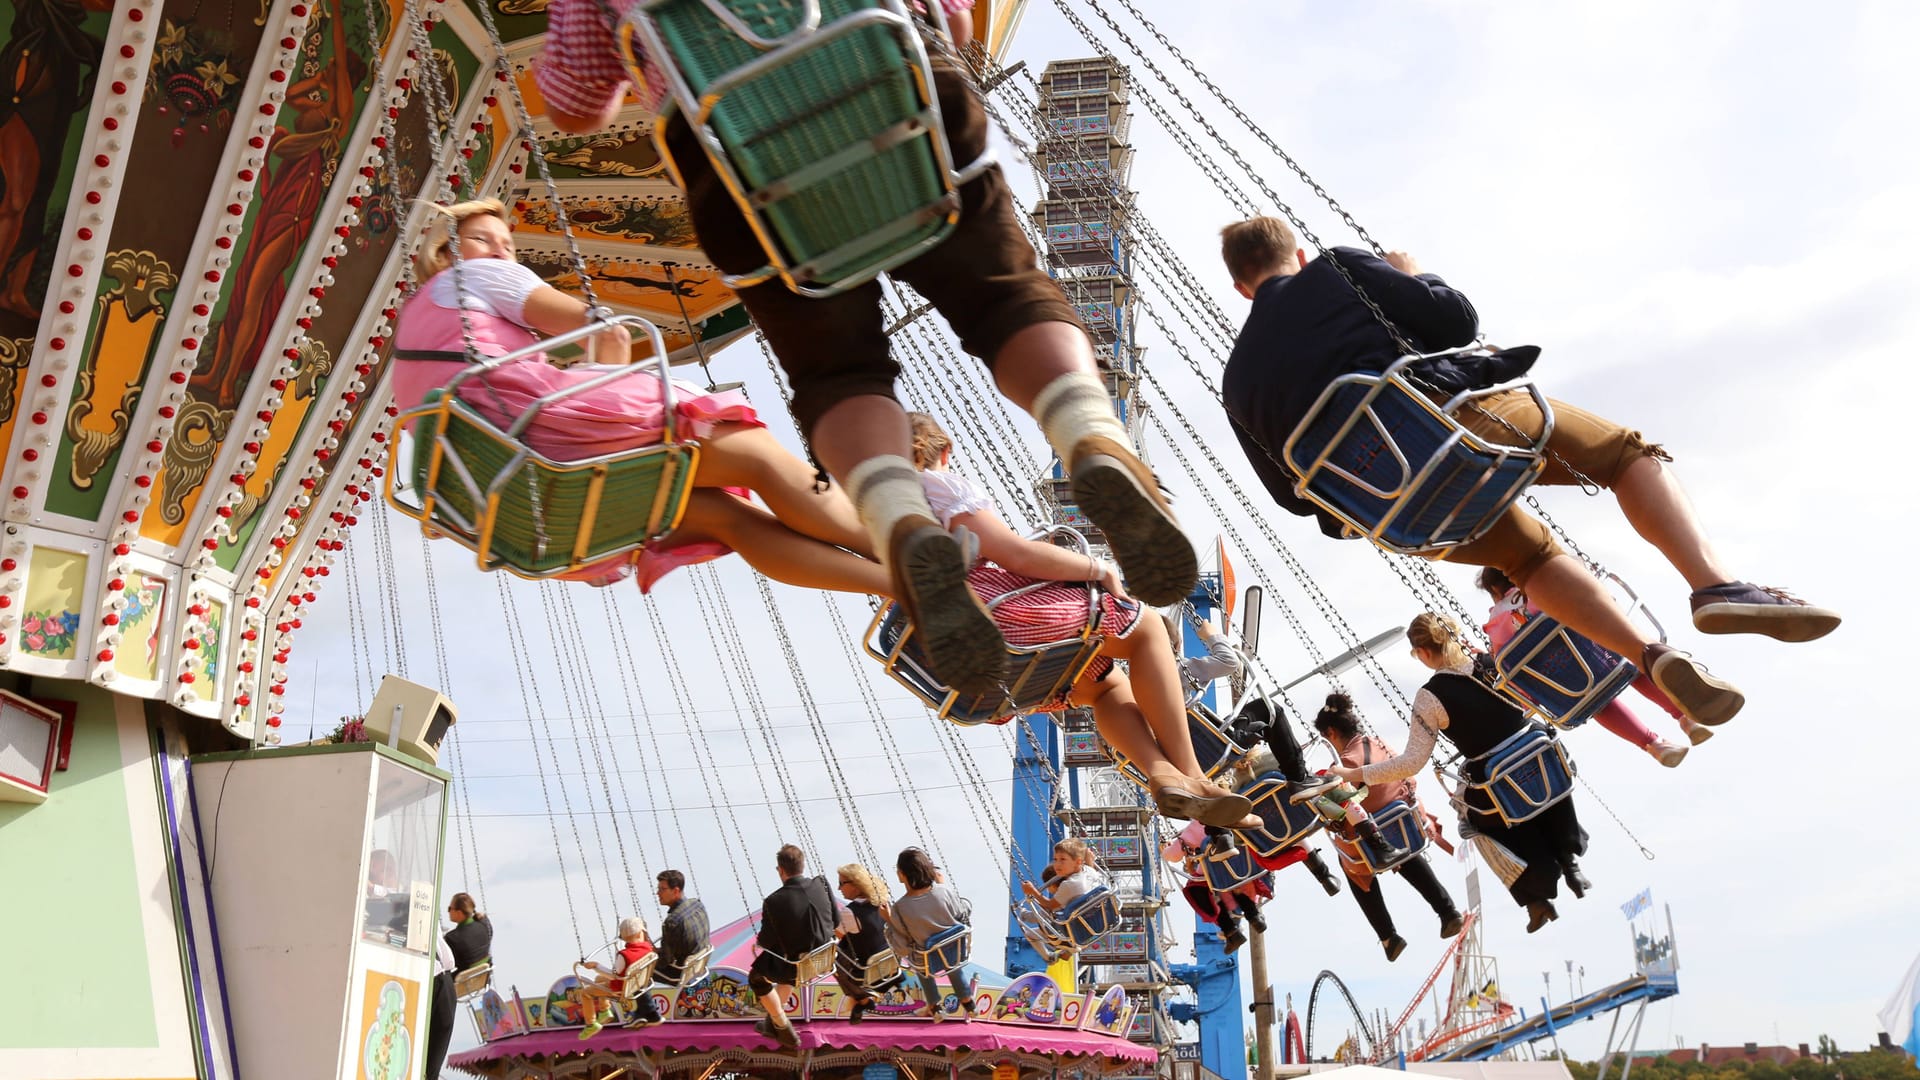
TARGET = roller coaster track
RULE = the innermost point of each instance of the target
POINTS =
(1313, 1014)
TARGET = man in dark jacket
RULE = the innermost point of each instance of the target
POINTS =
(795, 919)
(1311, 323)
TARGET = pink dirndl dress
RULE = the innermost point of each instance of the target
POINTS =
(1055, 611)
(625, 414)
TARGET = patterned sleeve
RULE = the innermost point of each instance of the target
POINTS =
(951, 495)
(1429, 716)
(580, 71)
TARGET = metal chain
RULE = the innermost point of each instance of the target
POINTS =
(569, 669)
(630, 686)
(517, 647)
(843, 792)
(922, 827)
(462, 797)
(536, 149)
(713, 614)
(676, 682)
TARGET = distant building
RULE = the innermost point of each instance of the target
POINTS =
(1727, 1055)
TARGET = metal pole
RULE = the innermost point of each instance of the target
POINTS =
(1262, 1003)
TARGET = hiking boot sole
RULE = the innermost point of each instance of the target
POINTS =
(963, 646)
(1781, 622)
(1154, 554)
(1704, 698)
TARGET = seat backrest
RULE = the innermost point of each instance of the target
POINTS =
(815, 964)
(694, 967)
(1091, 914)
(470, 981)
(947, 949)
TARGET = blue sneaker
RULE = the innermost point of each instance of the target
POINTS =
(1741, 607)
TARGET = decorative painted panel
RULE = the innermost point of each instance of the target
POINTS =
(56, 592)
(203, 54)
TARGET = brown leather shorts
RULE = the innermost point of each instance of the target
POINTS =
(984, 278)
(1519, 543)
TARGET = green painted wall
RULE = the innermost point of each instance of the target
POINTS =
(76, 955)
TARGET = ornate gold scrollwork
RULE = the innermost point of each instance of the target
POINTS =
(140, 277)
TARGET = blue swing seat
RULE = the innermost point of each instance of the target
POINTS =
(820, 119)
(1558, 675)
(1527, 773)
(1038, 676)
(1400, 825)
(1284, 824)
(1378, 454)
(945, 951)
(1089, 915)
(1231, 872)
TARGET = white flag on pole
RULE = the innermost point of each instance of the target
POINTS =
(1901, 1014)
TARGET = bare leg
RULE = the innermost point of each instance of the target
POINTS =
(1036, 356)
(1118, 718)
(1566, 590)
(775, 550)
(1658, 508)
(859, 428)
(1155, 682)
(776, 1008)
(737, 455)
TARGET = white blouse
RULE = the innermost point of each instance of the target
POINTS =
(951, 495)
(1429, 719)
(499, 287)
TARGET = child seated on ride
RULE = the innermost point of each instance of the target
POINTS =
(1340, 726)
(984, 278)
(863, 935)
(500, 306)
(1512, 609)
(596, 998)
(929, 908)
(1039, 915)
(1338, 804)
(1149, 729)
(1310, 325)
(1186, 850)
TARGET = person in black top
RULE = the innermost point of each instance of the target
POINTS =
(1311, 324)
(1532, 856)
(471, 938)
(795, 919)
(685, 930)
(862, 933)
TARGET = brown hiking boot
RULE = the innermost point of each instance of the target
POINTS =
(1119, 494)
(963, 646)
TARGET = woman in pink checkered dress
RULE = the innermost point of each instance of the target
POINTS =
(1140, 711)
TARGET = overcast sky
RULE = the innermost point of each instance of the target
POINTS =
(1703, 212)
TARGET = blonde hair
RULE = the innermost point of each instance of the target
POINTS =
(633, 926)
(1077, 849)
(930, 440)
(868, 883)
(436, 251)
(1437, 633)
(1254, 246)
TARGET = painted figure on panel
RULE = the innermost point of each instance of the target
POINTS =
(48, 63)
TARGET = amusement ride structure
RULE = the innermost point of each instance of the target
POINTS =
(206, 225)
